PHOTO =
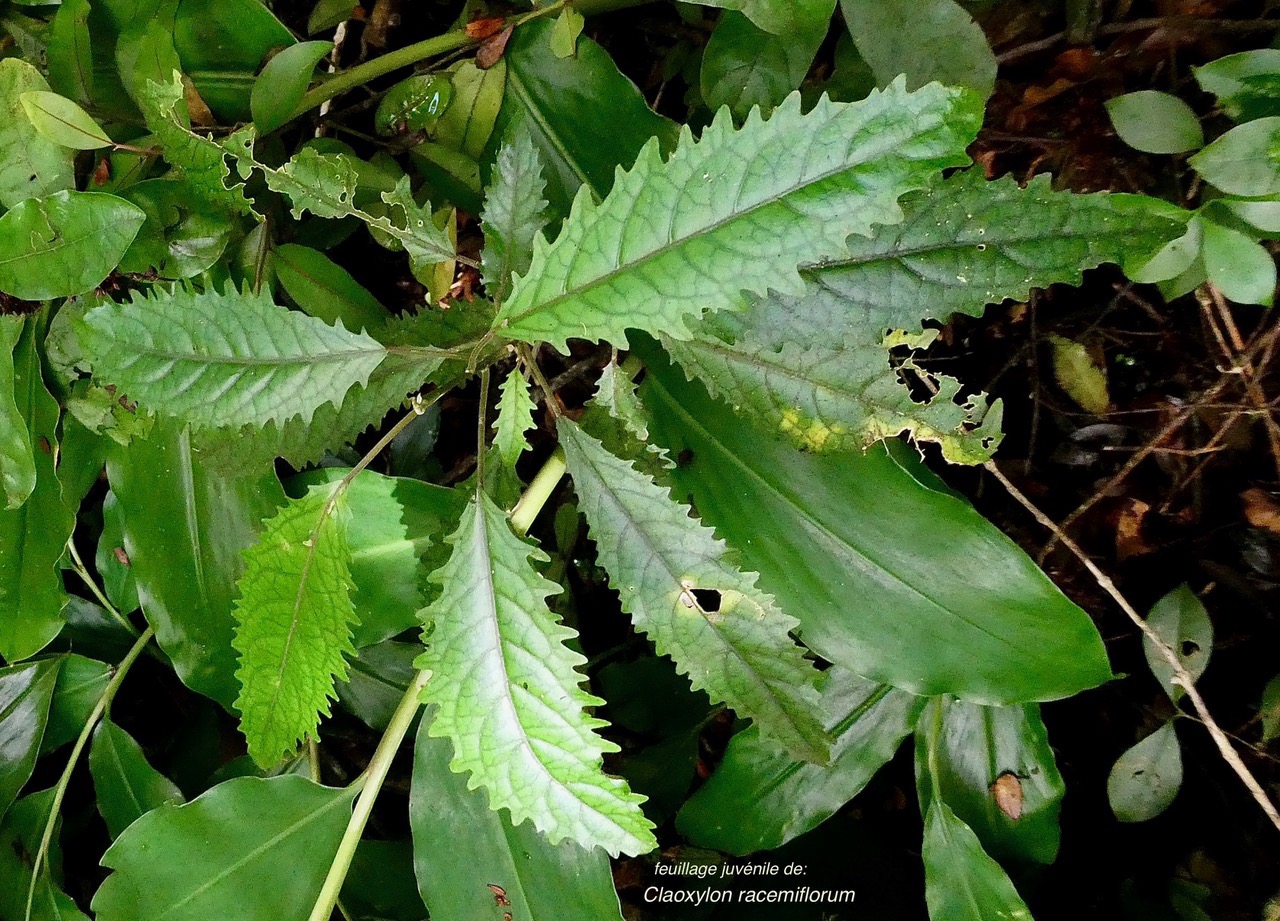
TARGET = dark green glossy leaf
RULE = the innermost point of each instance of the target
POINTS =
(253, 849)
(890, 578)
(31, 165)
(20, 835)
(283, 82)
(35, 535)
(326, 290)
(584, 116)
(64, 244)
(70, 58)
(180, 238)
(26, 691)
(381, 884)
(81, 682)
(997, 773)
(111, 561)
(376, 681)
(461, 847)
(185, 525)
(127, 785)
(17, 464)
(760, 797)
(962, 883)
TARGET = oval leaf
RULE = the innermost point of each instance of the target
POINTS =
(1155, 122)
(1179, 618)
(31, 165)
(283, 82)
(1243, 161)
(127, 786)
(25, 693)
(63, 122)
(1146, 778)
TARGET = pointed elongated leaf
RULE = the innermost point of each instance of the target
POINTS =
(127, 786)
(778, 17)
(294, 619)
(325, 289)
(760, 797)
(17, 464)
(515, 418)
(227, 358)
(737, 212)
(542, 881)
(514, 214)
(509, 693)
(63, 122)
(253, 849)
(185, 524)
(81, 682)
(31, 165)
(20, 835)
(282, 83)
(34, 536)
(854, 552)
(682, 590)
(962, 883)
(26, 691)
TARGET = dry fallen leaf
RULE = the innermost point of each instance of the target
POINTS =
(1129, 539)
(480, 29)
(1261, 509)
(490, 52)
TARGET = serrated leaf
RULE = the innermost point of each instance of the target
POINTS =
(760, 797)
(17, 464)
(738, 211)
(676, 580)
(226, 359)
(31, 166)
(515, 418)
(514, 214)
(509, 693)
(253, 849)
(1181, 621)
(293, 624)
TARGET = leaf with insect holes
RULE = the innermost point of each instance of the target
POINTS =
(515, 212)
(509, 693)
(226, 359)
(677, 582)
(735, 212)
(293, 624)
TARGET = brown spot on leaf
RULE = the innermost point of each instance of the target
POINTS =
(1007, 792)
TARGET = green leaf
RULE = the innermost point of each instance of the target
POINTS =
(20, 836)
(1155, 122)
(70, 59)
(961, 883)
(81, 682)
(776, 16)
(1245, 83)
(682, 589)
(896, 581)
(17, 465)
(376, 681)
(564, 36)
(294, 619)
(127, 786)
(283, 83)
(1145, 779)
(926, 41)
(64, 244)
(543, 882)
(185, 524)
(1244, 161)
(326, 14)
(467, 124)
(221, 359)
(1079, 375)
(62, 121)
(515, 418)
(1180, 620)
(1241, 268)
(111, 561)
(326, 290)
(381, 884)
(1269, 710)
(760, 797)
(253, 849)
(392, 525)
(26, 691)
(35, 535)
(583, 115)
(767, 197)
(31, 166)
(181, 238)
(993, 766)
(515, 213)
(509, 693)
(744, 66)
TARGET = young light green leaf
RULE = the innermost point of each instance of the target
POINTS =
(226, 359)
(1240, 266)
(1242, 161)
(759, 797)
(64, 244)
(739, 210)
(509, 693)
(254, 849)
(127, 786)
(514, 214)
(25, 693)
(1155, 122)
(1145, 780)
(542, 881)
(1079, 375)
(31, 166)
(564, 36)
(1181, 621)
(62, 121)
(283, 82)
(678, 583)
(17, 464)
(929, 40)
(293, 623)
(515, 418)
(962, 883)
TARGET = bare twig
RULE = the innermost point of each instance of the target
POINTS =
(1181, 676)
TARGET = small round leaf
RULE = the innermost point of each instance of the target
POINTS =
(1155, 122)
(1146, 778)
(1241, 267)
(1179, 618)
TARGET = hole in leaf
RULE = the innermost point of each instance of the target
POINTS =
(1189, 648)
(708, 599)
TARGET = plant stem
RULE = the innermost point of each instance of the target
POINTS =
(372, 779)
(83, 572)
(539, 491)
(101, 708)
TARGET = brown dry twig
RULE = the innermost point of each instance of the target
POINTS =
(1181, 676)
